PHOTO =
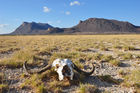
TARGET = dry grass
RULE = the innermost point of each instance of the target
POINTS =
(3, 88)
(133, 80)
(80, 49)
(3, 83)
(86, 88)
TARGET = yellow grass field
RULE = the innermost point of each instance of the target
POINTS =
(117, 55)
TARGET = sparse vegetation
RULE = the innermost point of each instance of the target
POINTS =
(3, 88)
(127, 56)
(3, 84)
(122, 72)
(83, 50)
(128, 48)
(115, 62)
(133, 80)
(34, 82)
(87, 88)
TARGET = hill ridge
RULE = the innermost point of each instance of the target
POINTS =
(89, 26)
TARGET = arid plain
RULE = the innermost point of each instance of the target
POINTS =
(117, 56)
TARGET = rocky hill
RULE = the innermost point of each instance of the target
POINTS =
(89, 26)
(31, 28)
(102, 26)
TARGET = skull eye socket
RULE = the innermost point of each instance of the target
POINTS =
(66, 70)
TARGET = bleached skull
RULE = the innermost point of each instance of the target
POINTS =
(64, 68)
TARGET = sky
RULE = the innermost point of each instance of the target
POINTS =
(65, 13)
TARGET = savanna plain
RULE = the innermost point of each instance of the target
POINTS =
(117, 56)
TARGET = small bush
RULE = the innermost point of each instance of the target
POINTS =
(40, 88)
(127, 48)
(86, 88)
(117, 47)
(132, 79)
(82, 49)
(98, 56)
(3, 88)
(34, 82)
(122, 73)
(115, 62)
(127, 56)
(57, 86)
(107, 58)
(103, 48)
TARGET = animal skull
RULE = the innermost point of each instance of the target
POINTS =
(64, 68)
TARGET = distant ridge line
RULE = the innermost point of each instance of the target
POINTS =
(87, 27)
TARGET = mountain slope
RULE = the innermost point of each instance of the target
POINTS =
(89, 26)
(102, 26)
(31, 28)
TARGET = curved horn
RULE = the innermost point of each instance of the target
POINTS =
(29, 71)
(83, 72)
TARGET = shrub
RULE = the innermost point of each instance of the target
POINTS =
(107, 58)
(86, 88)
(127, 56)
(122, 73)
(117, 47)
(103, 48)
(3, 88)
(98, 56)
(35, 82)
(127, 48)
(115, 62)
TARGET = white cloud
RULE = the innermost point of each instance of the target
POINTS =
(74, 3)
(3, 25)
(58, 21)
(46, 9)
(67, 13)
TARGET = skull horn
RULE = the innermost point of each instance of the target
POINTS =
(35, 71)
(83, 72)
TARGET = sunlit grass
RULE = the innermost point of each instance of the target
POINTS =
(81, 49)
(86, 88)
(133, 80)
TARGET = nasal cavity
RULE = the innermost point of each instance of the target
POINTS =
(57, 66)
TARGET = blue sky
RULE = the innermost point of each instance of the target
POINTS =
(65, 13)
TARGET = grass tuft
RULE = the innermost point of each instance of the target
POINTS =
(115, 62)
(133, 80)
(86, 88)
(3, 88)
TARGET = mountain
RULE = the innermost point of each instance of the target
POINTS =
(89, 26)
(31, 28)
(103, 26)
